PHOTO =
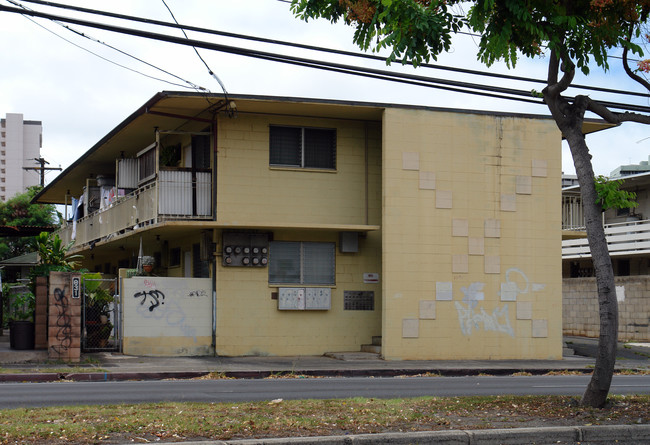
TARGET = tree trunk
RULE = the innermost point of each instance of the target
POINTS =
(596, 393)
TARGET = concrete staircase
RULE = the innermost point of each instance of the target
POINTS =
(374, 347)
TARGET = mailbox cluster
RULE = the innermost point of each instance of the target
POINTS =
(245, 249)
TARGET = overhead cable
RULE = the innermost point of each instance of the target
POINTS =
(320, 48)
(223, 88)
(189, 84)
(359, 71)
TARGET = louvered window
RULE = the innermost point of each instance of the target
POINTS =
(302, 147)
(302, 263)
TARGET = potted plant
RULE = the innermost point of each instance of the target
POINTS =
(21, 320)
(147, 264)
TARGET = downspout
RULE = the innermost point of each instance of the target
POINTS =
(365, 127)
(214, 234)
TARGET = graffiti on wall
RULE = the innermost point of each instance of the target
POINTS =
(63, 322)
(473, 318)
(153, 296)
(177, 307)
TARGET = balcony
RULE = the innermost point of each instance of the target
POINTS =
(626, 238)
(171, 196)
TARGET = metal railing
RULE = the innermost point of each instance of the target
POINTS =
(626, 238)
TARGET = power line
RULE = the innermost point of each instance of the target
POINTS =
(223, 88)
(189, 84)
(359, 71)
(324, 49)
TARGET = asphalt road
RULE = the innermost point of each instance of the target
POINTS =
(14, 395)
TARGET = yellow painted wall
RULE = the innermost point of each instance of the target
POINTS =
(252, 192)
(453, 287)
(249, 322)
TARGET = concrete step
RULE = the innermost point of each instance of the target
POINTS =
(375, 349)
(353, 356)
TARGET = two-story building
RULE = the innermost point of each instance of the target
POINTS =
(287, 226)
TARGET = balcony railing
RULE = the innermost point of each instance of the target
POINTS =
(172, 196)
(628, 238)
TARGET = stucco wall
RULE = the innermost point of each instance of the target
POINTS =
(471, 236)
(167, 316)
(252, 192)
(580, 307)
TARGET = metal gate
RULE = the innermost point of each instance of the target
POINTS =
(100, 315)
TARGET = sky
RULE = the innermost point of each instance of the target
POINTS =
(80, 97)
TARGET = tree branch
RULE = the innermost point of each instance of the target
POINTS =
(629, 71)
(614, 118)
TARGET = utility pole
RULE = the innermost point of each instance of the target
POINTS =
(42, 168)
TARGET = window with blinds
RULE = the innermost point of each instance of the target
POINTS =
(302, 147)
(302, 263)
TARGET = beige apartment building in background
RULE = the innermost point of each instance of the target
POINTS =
(20, 146)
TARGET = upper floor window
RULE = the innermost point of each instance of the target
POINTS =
(302, 147)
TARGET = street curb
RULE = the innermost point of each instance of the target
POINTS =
(637, 434)
(164, 375)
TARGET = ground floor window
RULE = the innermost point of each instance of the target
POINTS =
(302, 263)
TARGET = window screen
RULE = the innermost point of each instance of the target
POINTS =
(302, 147)
(147, 165)
(302, 263)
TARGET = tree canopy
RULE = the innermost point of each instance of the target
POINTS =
(19, 211)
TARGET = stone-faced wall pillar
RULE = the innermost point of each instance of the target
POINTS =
(40, 316)
(64, 332)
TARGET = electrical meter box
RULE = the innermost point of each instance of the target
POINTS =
(245, 249)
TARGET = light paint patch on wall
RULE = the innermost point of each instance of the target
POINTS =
(540, 168)
(471, 320)
(460, 264)
(524, 310)
(443, 199)
(473, 294)
(427, 310)
(508, 202)
(492, 228)
(476, 246)
(410, 328)
(492, 264)
(411, 161)
(620, 294)
(540, 328)
(524, 185)
(427, 181)
(508, 291)
(538, 287)
(459, 227)
(517, 276)
(444, 291)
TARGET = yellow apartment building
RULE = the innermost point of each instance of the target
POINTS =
(290, 226)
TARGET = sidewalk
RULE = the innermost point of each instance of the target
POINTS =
(34, 366)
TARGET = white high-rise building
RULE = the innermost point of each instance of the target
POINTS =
(20, 147)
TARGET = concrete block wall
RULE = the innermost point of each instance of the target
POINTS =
(64, 320)
(580, 307)
(471, 242)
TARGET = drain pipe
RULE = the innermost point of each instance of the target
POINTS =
(215, 242)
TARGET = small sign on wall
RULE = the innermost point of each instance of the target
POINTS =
(370, 278)
(76, 287)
